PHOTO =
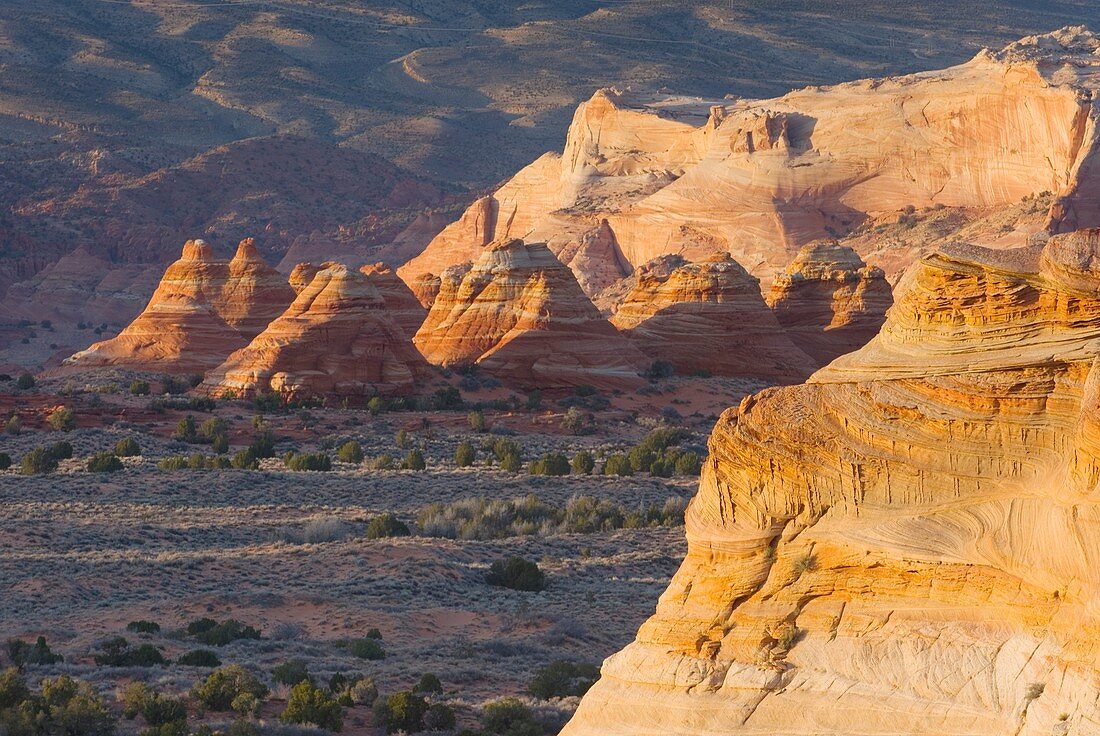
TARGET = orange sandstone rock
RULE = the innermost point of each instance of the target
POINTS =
(401, 303)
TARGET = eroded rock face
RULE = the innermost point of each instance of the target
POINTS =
(829, 301)
(336, 339)
(762, 178)
(203, 309)
(907, 541)
(301, 275)
(709, 316)
(520, 314)
(401, 303)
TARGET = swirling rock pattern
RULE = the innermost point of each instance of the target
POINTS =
(907, 543)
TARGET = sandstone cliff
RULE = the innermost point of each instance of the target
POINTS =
(761, 178)
(203, 309)
(829, 301)
(520, 314)
(906, 543)
(336, 339)
(709, 316)
(400, 301)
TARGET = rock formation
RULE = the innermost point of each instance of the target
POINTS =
(520, 314)
(762, 178)
(401, 303)
(336, 339)
(203, 309)
(301, 276)
(829, 301)
(906, 543)
(709, 316)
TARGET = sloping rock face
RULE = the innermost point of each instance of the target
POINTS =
(400, 301)
(829, 301)
(906, 543)
(203, 309)
(761, 178)
(336, 339)
(520, 314)
(301, 276)
(709, 316)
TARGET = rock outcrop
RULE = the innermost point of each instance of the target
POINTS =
(762, 178)
(520, 314)
(203, 309)
(709, 316)
(336, 339)
(906, 544)
(401, 303)
(829, 301)
(301, 276)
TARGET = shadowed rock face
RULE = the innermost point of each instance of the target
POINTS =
(709, 316)
(400, 301)
(337, 339)
(520, 314)
(907, 541)
(829, 301)
(203, 309)
(762, 178)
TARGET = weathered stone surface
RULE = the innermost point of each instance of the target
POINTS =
(401, 303)
(906, 543)
(301, 276)
(709, 316)
(203, 309)
(336, 339)
(829, 301)
(520, 314)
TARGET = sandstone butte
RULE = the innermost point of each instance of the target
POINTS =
(401, 303)
(905, 544)
(644, 176)
(829, 301)
(203, 309)
(336, 339)
(709, 316)
(520, 314)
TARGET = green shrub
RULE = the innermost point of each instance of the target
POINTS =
(350, 452)
(143, 627)
(199, 658)
(291, 673)
(309, 704)
(516, 573)
(573, 421)
(13, 690)
(14, 425)
(534, 400)
(465, 455)
(263, 446)
(476, 420)
(402, 439)
(186, 429)
(24, 382)
(61, 450)
(509, 717)
(429, 684)
(366, 648)
(364, 692)
(5, 461)
(414, 461)
(209, 632)
(617, 464)
(439, 717)
(104, 462)
(583, 463)
(23, 653)
(403, 711)
(157, 710)
(511, 463)
(38, 461)
(117, 652)
(383, 462)
(316, 461)
(552, 463)
(689, 464)
(245, 460)
(224, 686)
(127, 447)
(386, 525)
(139, 388)
(70, 709)
(562, 679)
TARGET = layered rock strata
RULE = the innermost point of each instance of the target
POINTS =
(400, 301)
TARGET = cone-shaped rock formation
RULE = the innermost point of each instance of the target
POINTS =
(401, 302)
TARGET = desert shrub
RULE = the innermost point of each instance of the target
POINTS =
(617, 464)
(245, 460)
(516, 573)
(445, 399)
(38, 461)
(61, 450)
(563, 679)
(552, 463)
(403, 711)
(386, 525)
(186, 430)
(659, 369)
(534, 400)
(227, 685)
(220, 444)
(24, 382)
(583, 463)
(664, 437)
(104, 462)
(805, 563)
(13, 690)
(64, 708)
(429, 684)
(210, 632)
(509, 717)
(476, 420)
(366, 648)
(14, 425)
(641, 458)
(309, 704)
(350, 452)
(127, 447)
(376, 405)
(465, 455)
(143, 627)
(157, 709)
(263, 446)
(573, 421)
(139, 388)
(511, 463)
(23, 653)
(384, 461)
(199, 658)
(5, 461)
(439, 717)
(402, 439)
(61, 419)
(316, 461)
(117, 652)
(291, 673)
(363, 692)
(689, 464)
(414, 460)
(211, 428)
